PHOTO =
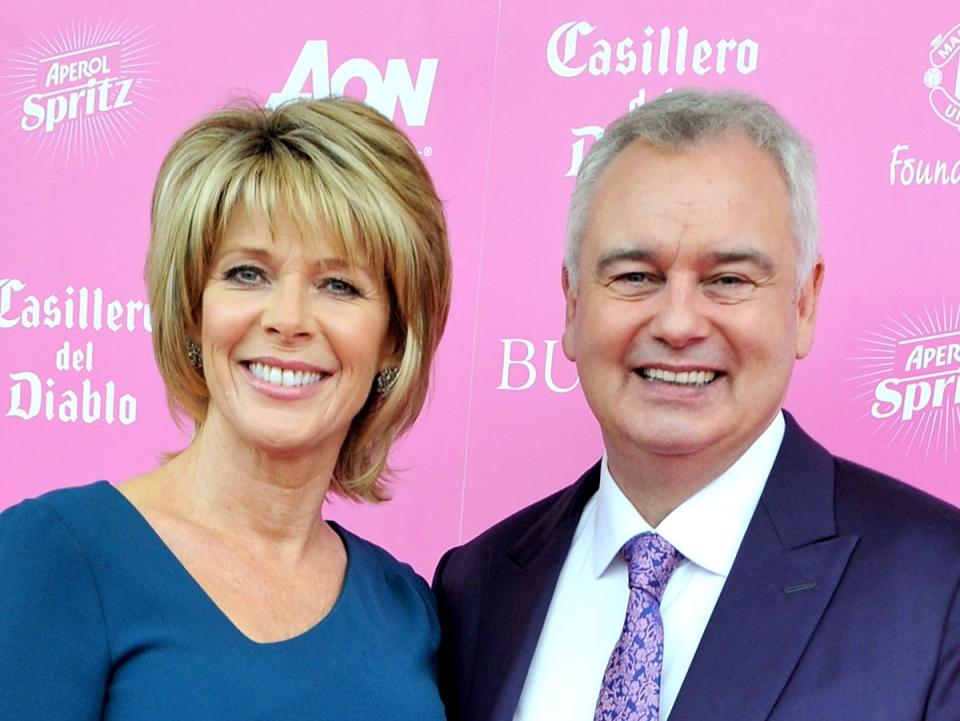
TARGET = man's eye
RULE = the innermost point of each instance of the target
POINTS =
(634, 283)
(634, 278)
(245, 274)
(728, 287)
(729, 280)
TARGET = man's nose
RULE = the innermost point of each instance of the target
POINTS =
(287, 314)
(679, 316)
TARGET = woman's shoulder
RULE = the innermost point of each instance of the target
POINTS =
(391, 597)
(69, 519)
(374, 566)
(50, 611)
(74, 507)
(45, 549)
(360, 551)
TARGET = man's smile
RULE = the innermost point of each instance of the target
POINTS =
(684, 377)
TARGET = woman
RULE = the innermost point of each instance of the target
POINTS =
(299, 277)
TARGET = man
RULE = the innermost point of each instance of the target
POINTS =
(767, 579)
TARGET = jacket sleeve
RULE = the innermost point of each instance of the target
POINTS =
(447, 676)
(54, 656)
(943, 703)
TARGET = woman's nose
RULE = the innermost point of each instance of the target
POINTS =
(287, 312)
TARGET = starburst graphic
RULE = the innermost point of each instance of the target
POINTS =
(909, 380)
(84, 117)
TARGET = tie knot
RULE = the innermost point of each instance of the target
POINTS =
(650, 562)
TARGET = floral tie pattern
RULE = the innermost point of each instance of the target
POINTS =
(631, 683)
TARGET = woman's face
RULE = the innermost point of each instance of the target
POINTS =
(292, 337)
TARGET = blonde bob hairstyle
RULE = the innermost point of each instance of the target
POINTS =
(332, 166)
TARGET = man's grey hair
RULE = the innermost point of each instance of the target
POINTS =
(685, 119)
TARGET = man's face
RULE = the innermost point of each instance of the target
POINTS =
(685, 322)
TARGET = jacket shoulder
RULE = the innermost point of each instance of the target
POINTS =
(471, 556)
(875, 504)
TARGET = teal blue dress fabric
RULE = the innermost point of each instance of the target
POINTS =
(100, 621)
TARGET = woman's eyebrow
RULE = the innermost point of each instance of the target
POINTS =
(260, 253)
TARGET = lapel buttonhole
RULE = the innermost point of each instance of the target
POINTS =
(805, 586)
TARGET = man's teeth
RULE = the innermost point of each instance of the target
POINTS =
(284, 376)
(689, 378)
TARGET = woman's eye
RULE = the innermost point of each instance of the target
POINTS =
(245, 274)
(339, 286)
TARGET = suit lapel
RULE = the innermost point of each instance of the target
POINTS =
(524, 576)
(787, 568)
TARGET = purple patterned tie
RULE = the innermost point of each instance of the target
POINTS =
(631, 683)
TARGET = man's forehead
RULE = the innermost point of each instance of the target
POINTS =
(661, 254)
(723, 201)
(701, 184)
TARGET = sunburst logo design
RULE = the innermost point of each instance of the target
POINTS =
(79, 93)
(909, 380)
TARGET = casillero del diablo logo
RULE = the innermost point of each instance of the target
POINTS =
(79, 92)
(909, 380)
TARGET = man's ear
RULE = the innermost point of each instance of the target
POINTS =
(807, 307)
(569, 331)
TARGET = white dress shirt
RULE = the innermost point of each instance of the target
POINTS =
(589, 603)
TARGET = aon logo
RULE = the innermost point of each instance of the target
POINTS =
(385, 90)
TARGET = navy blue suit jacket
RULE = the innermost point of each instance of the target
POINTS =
(843, 603)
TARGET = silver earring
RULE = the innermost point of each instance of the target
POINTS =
(193, 354)
(385, 380)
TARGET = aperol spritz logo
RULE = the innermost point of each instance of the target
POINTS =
(80, 91)
(943, 76)
(909, 380)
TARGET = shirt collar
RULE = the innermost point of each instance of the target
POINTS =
(708, 527)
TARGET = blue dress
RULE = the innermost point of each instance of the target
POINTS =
(99, 620)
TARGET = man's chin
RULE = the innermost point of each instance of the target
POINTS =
(679, 448)
(678, 441)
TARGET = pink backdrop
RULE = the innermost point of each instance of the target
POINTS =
(502, 99)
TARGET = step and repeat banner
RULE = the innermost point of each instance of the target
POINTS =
(502, 100)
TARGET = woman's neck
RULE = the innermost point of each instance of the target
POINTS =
(274, 501)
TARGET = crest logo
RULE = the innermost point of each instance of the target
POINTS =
(943, 76)
(910, 380)
(80, 91)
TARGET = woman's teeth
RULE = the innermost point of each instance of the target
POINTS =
(284, 376)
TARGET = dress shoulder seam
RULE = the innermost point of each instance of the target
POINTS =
(81, 551)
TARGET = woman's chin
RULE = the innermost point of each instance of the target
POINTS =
(285, 445)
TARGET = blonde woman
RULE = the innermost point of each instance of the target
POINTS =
(299, 280)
